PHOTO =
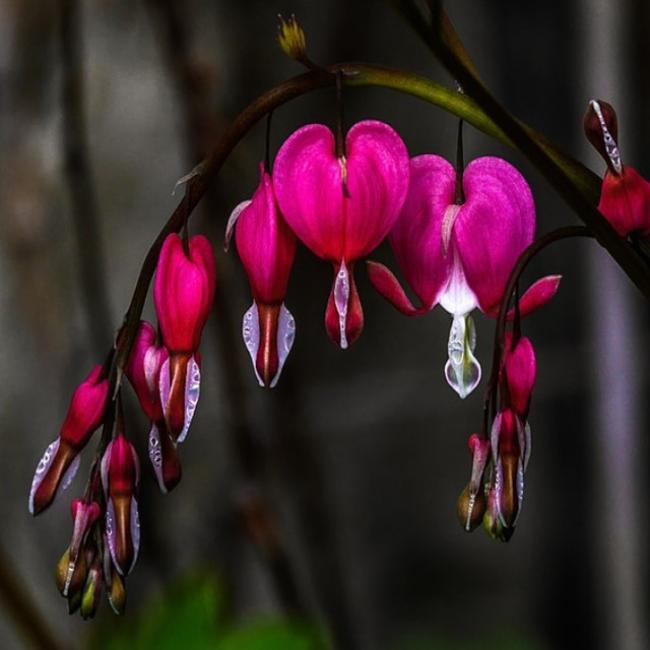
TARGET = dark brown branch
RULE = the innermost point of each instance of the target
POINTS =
(83, 200)
(435, 37)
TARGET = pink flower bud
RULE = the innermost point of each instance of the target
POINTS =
(266, 247)
(143, 370)
(625, 202)
(183, 291)
(472, 503)
(120, 471)
(520, 370)
(341, 208)
(60, 461)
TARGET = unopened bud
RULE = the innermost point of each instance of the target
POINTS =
(117, 593)
(470, 508)
(292, 39)
(601, 129)
(92, 592)
(70, 576)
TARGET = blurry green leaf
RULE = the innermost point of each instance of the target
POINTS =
(270, 635)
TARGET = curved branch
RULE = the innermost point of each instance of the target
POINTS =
(520, 266)
(354, 75)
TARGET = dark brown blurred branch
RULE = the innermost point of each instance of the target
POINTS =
(90, 256)
(200, 124)
(20, 605)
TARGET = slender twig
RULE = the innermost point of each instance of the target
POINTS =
(258, 518)
(20, 604)
(83, 200)
(499, 331)
(622, 251)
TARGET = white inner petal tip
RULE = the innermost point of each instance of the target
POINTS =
(232, 220)
(341, 300)
(462, 370)
(285, 339)
(250, 330)
(611, 146)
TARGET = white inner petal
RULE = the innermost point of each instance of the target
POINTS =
(41, 470)
(462, 370)
(192, 391)
(457, 298)
(250, 330)
(341, 300)
(232, 220)
(286, 336)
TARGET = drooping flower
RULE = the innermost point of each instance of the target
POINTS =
(341, 207)
(120, 471)
(143, 371)
(183, 294)
(60, 462)
(460, 254)
(266, 247)
(625, 194)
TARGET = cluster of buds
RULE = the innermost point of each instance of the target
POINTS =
(495, 492)
(163, 369)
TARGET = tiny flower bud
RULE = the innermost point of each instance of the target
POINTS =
(70, 577)
(601, 129)
(92, 591)
(60, 462)
(492, 522)
(292, 39)
(471, 503)
(520, 370)
(117, 594)
(84, 516)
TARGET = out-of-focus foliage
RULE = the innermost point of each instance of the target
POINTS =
(492, 642)
(192, 615)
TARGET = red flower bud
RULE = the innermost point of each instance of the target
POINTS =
(120, 471)
(60, 461)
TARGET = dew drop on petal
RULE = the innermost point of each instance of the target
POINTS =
(462, 370)
(110, 534)
(41, 470)
(135, 531)
(70, 473)
(155, 456)
(286, 336)
(250, 330)
(192, 390)
(341, 300)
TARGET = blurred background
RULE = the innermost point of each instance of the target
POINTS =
(359, 456)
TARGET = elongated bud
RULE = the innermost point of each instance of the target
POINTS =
(266, 247)
(184, 291)
(492, 523)
(71, 582)
(510, 441)
(84, 516)
(601, 129)
(292, 39)
(120, 471)
(472, 503)
(164, 458)
(60, 462)
(114, 583)
(92, 591)
(520, 370)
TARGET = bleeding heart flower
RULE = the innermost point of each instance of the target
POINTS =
(60, 462)
(461, 254)
(625, 194)
(144, 370)
(120, 470)
(266, 247)
(342, 207)
(183, 295)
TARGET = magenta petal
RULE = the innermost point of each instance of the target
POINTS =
(521, 370)
(536, 296)
(309, 183)
(416, 237)
(389, 287)
(494, 226)
(265, 244)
